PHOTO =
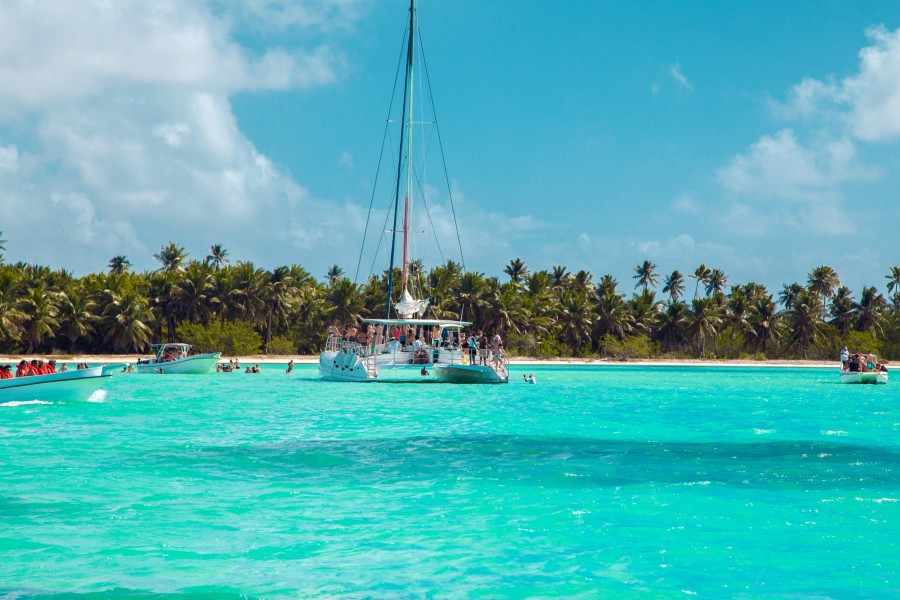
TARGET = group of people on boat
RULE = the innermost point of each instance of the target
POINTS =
(477, 347)
(860, 363)
(29, 369)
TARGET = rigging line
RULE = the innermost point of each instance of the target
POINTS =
(437, 241)
(441, 146)
(387, 216)
(384, 137)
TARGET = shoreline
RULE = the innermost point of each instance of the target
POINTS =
(514, 361)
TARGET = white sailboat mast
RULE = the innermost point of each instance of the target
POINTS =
(410, 81)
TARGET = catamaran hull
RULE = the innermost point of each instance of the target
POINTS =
(872, 377)
(201, 363)
(71, 386)
(468, 374)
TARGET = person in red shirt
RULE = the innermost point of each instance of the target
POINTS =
(33, 368)
(51, 366)
(6, 372)
(21, 368)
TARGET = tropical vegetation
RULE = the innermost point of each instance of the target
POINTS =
(238, 307)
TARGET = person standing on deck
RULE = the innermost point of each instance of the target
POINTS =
(845, 356)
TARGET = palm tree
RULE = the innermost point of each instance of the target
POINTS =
(559, 274)
(702, 276)
(737, 313)
(76, 316)
(124, 322)
(674, 286)
(703, 322)
(613, 316)
(715, 283)
(517, 270)
(472, 291)
(788, 294)
(574, 319)
(191, 294)
(607, 286)
(822, 281)
(346, 302)
(671, 325)
(11, 318)
(41, 310)
(644, 311)
(645, 273)
(841, 309)
(118, 265)
(870, 311)
(334, 274)
(278, 294)
(218, 256)
(803, 320)
(893, 278)
(765, 323)
(507, 313)
(171, 257)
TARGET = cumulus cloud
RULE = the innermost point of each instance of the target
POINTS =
(131, 140)
(780, 166)
(867, 102)
(841, 116)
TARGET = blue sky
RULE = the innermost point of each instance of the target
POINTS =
(760, 138)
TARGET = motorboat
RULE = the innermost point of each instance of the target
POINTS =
(428, 349)
(177, 358)
(68, 386)
(864, 377)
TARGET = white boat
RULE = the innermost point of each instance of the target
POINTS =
(345, 360)
(69, 386)
(176, 358)
(397, 359)
(866, 377)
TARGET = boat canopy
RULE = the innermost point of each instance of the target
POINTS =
(158, 348)
(419, 322)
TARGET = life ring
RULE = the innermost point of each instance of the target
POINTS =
(420, 356)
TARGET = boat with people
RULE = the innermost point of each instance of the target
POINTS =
(862, 368)
(407, 345)
(175, 358)
(68, 386)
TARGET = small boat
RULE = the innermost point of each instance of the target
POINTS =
(864, 377)
(399, 359)
(176, 358)
(68, 386)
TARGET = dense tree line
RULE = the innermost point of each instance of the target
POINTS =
(543, 313)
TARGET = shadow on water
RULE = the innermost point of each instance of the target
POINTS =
(553, 461)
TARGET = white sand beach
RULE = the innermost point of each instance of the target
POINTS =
(514, 361)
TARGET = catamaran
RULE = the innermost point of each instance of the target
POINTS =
(405, 346)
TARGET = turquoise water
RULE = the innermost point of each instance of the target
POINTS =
(597, 482)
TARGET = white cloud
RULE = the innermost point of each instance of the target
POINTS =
(9, 158)
(346, 159)
(686, 204)
(678, 76)
(124, 108)
(867, 102)
(781, 167)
